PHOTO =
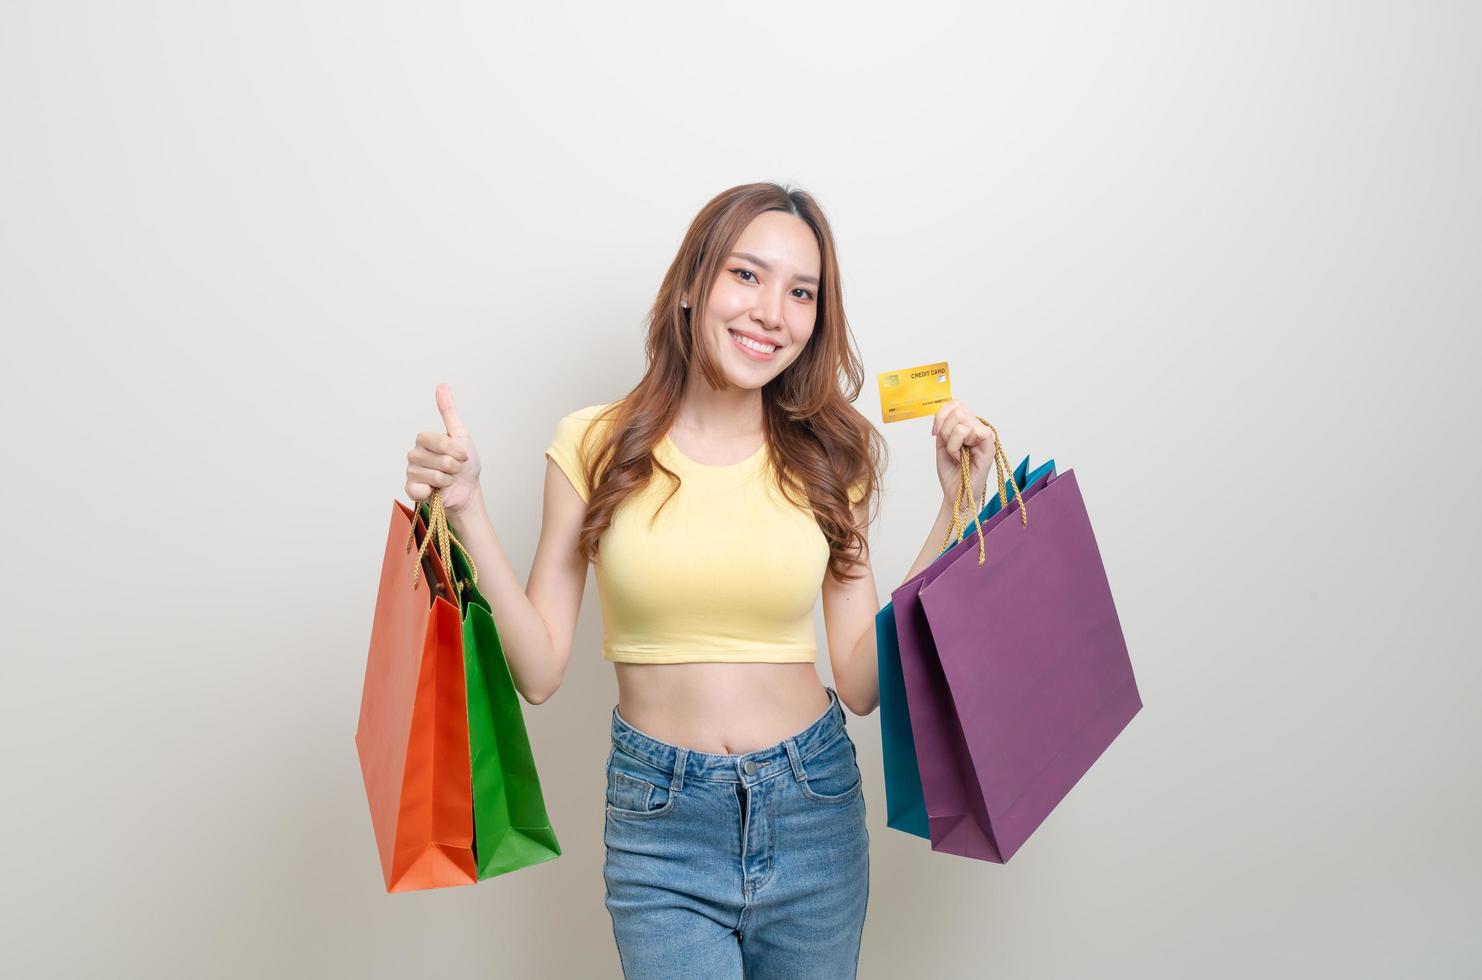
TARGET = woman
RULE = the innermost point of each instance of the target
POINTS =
(729, 486)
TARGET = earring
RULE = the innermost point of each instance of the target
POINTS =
(684, 304)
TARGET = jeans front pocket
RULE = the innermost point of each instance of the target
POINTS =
(636, 789)
(833, 774)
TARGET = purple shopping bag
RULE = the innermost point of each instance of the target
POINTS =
(1032, 655)
(954, 803)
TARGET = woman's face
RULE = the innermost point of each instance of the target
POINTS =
(767, 292)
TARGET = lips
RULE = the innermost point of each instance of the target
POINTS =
(761, 340)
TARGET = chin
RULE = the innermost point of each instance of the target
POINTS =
(748, 384)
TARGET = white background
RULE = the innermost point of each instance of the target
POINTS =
(1220, 259)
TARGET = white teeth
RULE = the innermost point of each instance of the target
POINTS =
(748, 342)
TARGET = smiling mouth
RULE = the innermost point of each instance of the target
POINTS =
(746, 344)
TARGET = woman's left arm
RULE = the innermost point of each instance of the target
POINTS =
(849, 619)
(849, 608)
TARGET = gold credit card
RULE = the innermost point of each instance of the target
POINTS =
(914, 392)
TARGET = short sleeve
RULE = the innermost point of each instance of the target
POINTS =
(567, 450)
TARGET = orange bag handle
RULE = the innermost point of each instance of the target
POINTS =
(437, 527)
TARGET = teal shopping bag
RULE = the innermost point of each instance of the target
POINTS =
(905, 807)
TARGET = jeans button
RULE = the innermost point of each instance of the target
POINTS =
(750, 767)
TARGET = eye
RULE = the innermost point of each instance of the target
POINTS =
(807, 293)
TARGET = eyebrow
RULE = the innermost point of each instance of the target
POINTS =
(752, 258)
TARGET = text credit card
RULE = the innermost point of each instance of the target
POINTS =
(914, 392)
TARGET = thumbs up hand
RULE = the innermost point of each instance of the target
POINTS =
(445, 460)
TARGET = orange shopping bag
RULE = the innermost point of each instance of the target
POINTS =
(413, 732)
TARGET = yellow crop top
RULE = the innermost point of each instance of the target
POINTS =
(729, 572)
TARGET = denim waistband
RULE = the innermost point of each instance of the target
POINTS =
(750, 767)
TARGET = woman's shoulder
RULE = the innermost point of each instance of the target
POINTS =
(588, 413)
(573, 443)
(572, 427)
(582, 417)
(592, 411)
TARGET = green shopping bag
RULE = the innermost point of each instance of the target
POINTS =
(511, 827)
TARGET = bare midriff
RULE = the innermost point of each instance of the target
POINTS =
(721, 708)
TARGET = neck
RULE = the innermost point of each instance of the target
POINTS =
(732, 412)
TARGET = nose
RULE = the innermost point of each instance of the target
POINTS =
(768, 311)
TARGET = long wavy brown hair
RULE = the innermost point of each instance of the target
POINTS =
(819, 444)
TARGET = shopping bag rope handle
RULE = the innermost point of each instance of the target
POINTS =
(437, 527)
(1001, 467)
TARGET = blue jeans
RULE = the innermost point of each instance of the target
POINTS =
(721, 866)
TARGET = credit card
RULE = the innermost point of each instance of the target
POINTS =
(914, 392)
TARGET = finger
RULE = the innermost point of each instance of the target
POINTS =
(938, 420)
(983, 436)
(946, 423)
(977, 434)
(955, 437)
(418, 492)
(440, 443)
(989, 441)
(426, 474)
(451, 420)
(436, 461)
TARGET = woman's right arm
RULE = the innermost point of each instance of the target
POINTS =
(536, 622)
